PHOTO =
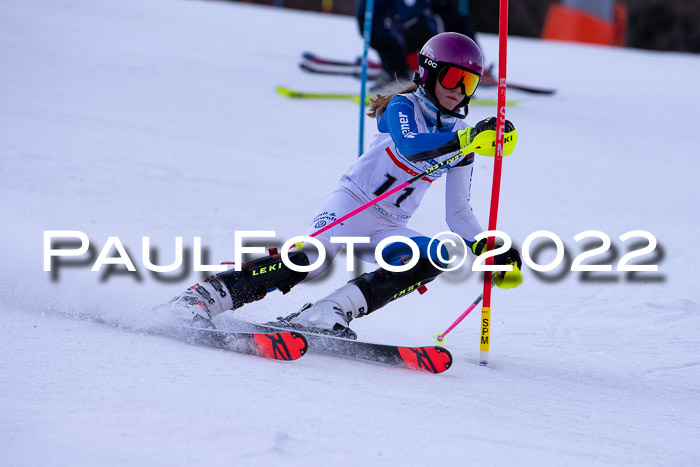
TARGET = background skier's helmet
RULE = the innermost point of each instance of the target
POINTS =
(454, 60)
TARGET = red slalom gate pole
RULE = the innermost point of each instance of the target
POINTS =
(496, 186)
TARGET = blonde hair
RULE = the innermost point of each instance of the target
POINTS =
(377, 105)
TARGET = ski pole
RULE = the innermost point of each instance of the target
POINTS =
(475, 145)
(374, 201)
(480, 143)
(440, 337)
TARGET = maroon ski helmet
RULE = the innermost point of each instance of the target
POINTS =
(449, 49)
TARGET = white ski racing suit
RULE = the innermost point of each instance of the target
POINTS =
(409, 141)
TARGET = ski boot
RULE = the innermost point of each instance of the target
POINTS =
(363, 295)
(203, 302)
(230, 290)
(330, 315)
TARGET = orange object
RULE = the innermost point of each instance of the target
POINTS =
(571, 24)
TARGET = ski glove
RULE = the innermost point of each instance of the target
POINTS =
(503, 279)
(481, 138)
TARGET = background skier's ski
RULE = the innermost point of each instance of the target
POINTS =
(355, 97)
(316, 64)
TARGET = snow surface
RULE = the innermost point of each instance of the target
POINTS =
(128, 118)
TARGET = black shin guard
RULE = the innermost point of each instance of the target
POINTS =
(381, 286)
(262, 275)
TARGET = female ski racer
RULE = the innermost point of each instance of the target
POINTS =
(418, 127)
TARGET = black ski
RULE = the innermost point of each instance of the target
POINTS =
(491, 81)
(355, 71)
(311, 57)
(432, 359)
(316, 64)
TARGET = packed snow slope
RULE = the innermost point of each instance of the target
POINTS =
(159, 119)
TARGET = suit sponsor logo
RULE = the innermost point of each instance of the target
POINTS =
(266, 269)
(405, 127)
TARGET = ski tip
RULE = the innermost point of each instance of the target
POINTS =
(544, 91)
(446, 357)
(282, 345)
(301, 342)
(429, 359)
(285, 91)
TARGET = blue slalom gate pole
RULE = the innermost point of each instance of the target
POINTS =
(463, 7)
(369, 9)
